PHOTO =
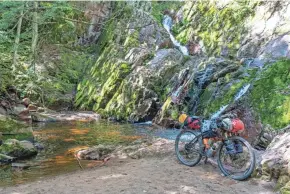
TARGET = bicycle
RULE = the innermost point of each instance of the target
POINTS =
(191, 147)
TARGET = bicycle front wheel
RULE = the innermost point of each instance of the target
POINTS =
(240, 164)
(188, 148)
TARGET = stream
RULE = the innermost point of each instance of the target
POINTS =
(61, 140)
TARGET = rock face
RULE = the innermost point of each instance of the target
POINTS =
(135, 83)
(127, 88)
(17, 149)
(275, 162)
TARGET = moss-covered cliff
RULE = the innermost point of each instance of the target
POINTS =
(138, 66)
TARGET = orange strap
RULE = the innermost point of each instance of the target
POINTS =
(205, 142)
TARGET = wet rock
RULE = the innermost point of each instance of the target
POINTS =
(20, 165)
(6, 159)
(32, 107)
(26, 102)
(37, 117)
(39, 146)
(19, 108)
(24, 115)
(40, 109)
(18, 149)
(99, 152)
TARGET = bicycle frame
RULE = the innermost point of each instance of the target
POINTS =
(200, 138)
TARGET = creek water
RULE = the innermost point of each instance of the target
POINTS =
(167, 24)
(61, 140)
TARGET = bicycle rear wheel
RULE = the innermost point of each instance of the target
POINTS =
(188, 147)
(238, 166)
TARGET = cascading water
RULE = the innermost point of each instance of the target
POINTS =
(167, 24)
(242, 92)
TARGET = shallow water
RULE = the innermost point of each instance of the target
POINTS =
(61, 140)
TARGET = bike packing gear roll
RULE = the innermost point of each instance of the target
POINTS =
(208, 129)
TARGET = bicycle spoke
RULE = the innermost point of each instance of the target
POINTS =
(188, 148)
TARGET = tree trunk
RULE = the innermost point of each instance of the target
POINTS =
(17, 39)
(34, 34)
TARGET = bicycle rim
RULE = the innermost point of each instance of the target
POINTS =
(188, 148)
(237, 166)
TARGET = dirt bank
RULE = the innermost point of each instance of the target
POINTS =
(148, 175)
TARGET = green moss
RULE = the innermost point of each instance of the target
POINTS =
(209, 105)
(285, 189)
(110, 87)
(132, 40)
(159, 7)
(282, 181)
(9, 125)
(20, 136)
(216, 27)
(270, 95)
(107, 74)
(16, 149)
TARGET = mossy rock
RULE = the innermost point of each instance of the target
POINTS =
(18, 149)
(6, 159)
(282, 181)
(270, 94)
(8, 125)
(285, 189)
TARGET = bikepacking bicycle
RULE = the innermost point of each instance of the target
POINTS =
(216, 137)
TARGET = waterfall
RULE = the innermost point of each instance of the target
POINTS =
(242, 91)
(167, 24)
(217, 114)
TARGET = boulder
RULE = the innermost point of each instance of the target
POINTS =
(2, 111)
(99, 152)
(145, 148)
(26, 102)
(19, 108)
(275, 162)
(20, 165)
(265, 138)
(275, 49)
(38, 117)
(24, 115)
(32, 108)
(6, 159)
(40, 109)
(18, 149)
